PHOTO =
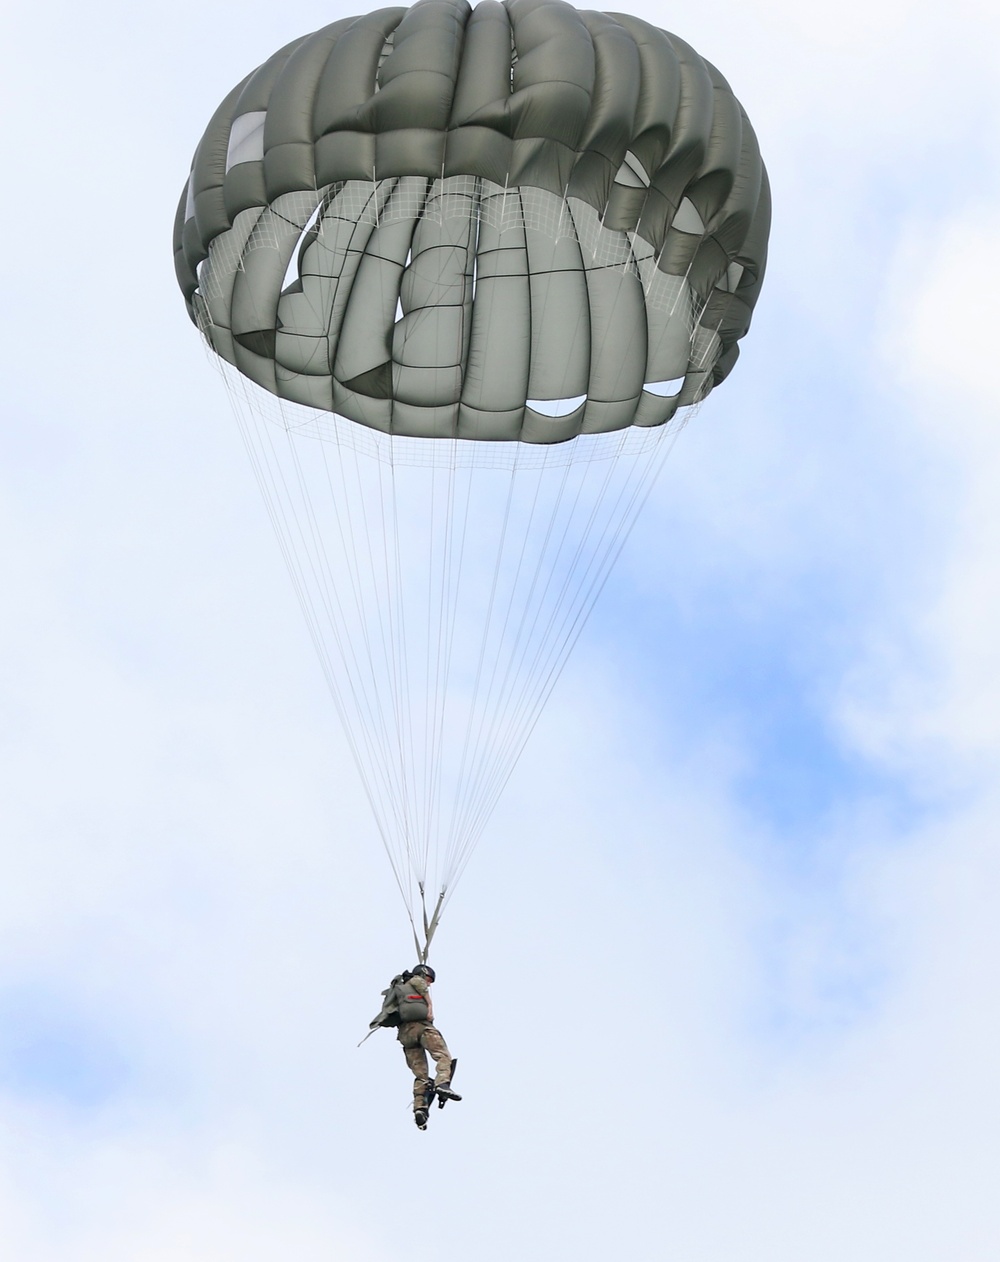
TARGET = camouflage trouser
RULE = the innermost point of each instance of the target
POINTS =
(417, 1039)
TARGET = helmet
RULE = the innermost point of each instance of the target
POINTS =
(425, 970)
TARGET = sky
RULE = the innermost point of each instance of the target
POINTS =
(722, 975)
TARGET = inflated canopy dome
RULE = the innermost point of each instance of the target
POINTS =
(518, 221)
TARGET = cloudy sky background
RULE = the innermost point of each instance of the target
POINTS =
(753, 846)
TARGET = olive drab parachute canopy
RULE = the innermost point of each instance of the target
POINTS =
(461, 132)
(477, 259)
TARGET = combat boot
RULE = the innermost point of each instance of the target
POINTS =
(444, 1092)
(420, 1117)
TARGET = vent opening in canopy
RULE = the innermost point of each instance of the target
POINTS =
(556, 407)
(246, 139)
(631, 173)
(664, 389)
(292, 274)
(687, 218)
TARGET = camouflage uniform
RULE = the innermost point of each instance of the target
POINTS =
(417, 1038)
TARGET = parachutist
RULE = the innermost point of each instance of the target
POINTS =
(407, 1006)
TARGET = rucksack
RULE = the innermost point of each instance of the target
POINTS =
(401, 1003)
(410, 1004)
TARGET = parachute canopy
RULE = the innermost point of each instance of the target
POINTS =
(476, 260)
(518, 221)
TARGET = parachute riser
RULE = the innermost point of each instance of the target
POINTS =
(430, 923)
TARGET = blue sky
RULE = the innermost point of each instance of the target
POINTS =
(754, 834)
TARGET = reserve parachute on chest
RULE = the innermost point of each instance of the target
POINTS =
(465, 271)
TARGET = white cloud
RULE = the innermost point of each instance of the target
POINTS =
(931, 689)
(124, 1200)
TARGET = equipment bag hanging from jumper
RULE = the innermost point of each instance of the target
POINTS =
(401, 1002)
(410, 1004)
